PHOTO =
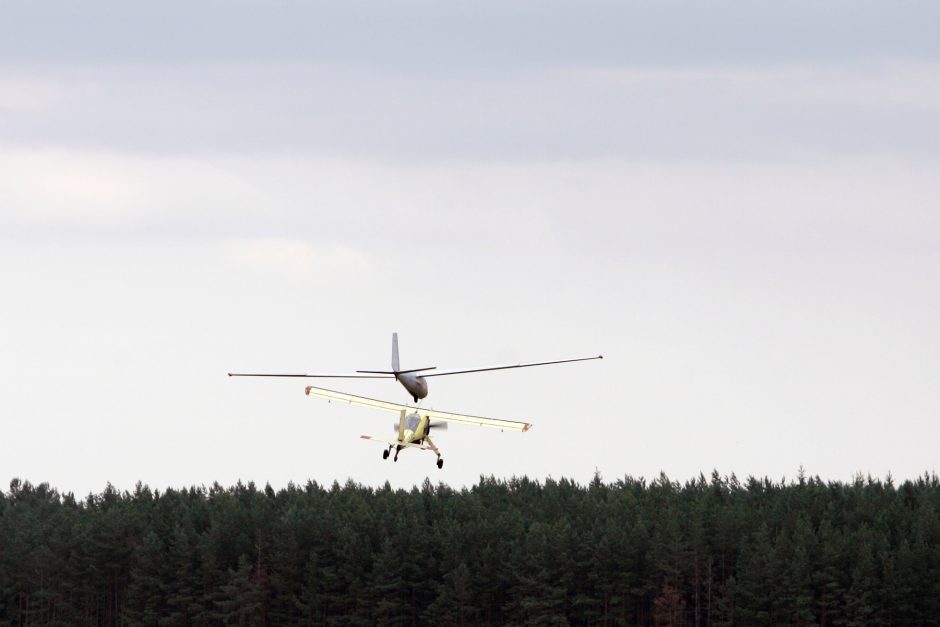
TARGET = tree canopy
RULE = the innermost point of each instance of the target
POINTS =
(710, 551)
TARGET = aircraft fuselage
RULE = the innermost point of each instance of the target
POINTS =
(416, 385)
(413, 428)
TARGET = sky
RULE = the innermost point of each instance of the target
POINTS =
(737, 204)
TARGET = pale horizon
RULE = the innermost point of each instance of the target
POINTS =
(736, 205)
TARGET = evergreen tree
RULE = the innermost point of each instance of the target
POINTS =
(454, 604)
(146, 594)
(242, 599)
(538, 593)
(390, 589)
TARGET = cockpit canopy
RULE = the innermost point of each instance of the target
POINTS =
(412, 421)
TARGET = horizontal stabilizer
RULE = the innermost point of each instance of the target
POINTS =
(321, 375)
(391, 372)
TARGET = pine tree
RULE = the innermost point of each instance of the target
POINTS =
(795, 551)
(184, 602)
(146, 594)
(830, 578)
(242, 599)
(390, 590)
(538, 594)
(859, 599)
(309, 600)
(756, 585)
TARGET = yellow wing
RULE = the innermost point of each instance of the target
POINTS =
(443, 416)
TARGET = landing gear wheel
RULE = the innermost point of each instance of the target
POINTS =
(385, 454)
(440, 462)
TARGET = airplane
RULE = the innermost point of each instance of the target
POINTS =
(415, 379)
(415, 424)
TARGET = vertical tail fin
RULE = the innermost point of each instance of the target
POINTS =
(395, 365)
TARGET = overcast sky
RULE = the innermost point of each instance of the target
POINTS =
(737, 204)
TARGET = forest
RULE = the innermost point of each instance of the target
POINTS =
(710, 551)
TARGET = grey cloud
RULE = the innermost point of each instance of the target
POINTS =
(468, 36)
(694, 113)
(516, 80)
(598, 210)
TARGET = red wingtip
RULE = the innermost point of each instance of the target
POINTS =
(307, 390)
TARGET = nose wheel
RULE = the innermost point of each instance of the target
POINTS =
(385, 454)
(440, 462)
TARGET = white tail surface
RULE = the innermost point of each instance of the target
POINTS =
(395, 366)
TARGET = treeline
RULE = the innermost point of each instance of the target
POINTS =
(707, 552)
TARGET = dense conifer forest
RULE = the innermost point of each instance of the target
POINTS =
(707, 552)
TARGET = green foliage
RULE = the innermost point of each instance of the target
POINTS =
(709, 552)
